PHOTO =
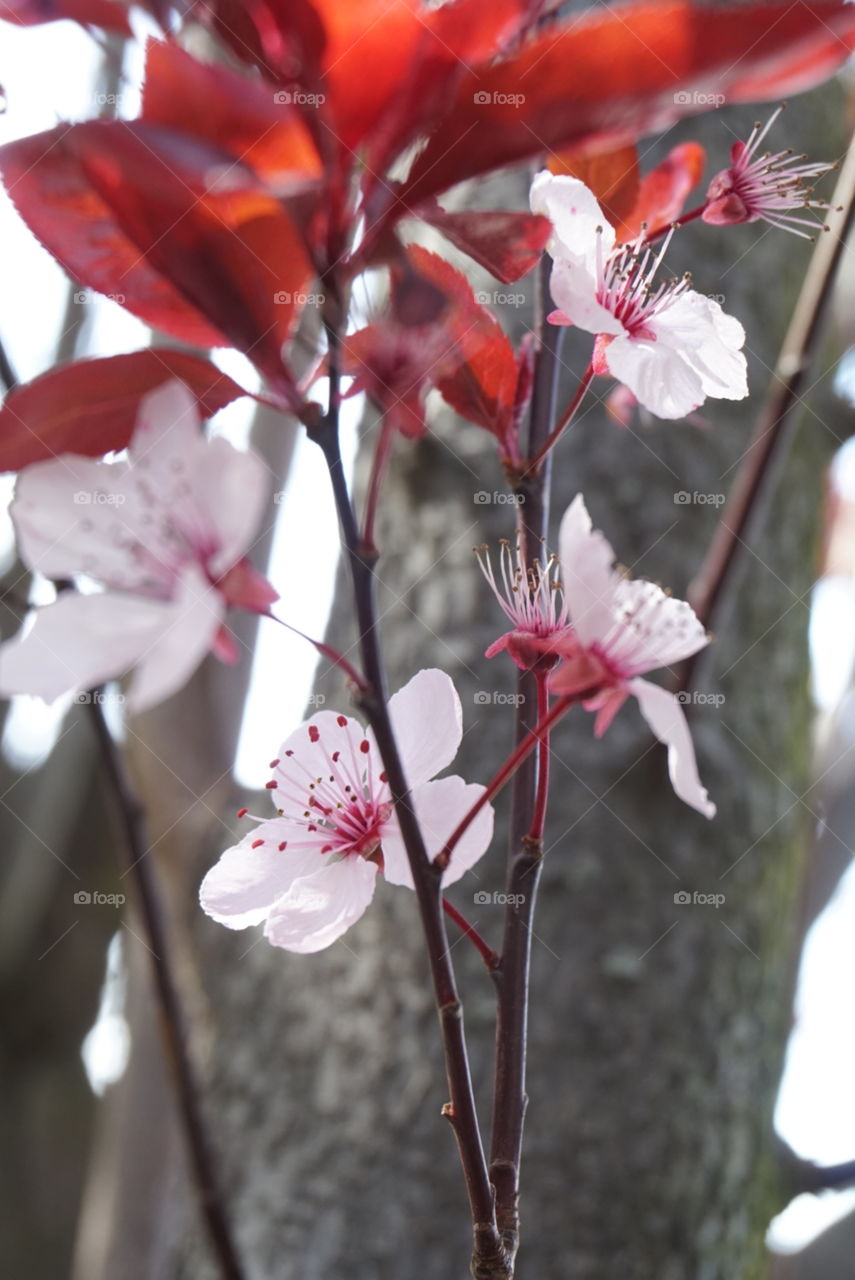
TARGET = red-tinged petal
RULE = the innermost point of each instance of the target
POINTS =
(91, 406)
(612, 175)
(89, 13)
(483, 386)
(239, 115)
(663, 191)
(618, 73)
(508, 245)
(245, 588)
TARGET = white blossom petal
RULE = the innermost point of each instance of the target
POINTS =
(318, 908)
(665, 716)
(80, 641)
(240, 889)
(575, 216)
(427, 720)
(439, 807)
(658, 375)
(589, 581)
(193, 619)
(573, 286)
(234, 486)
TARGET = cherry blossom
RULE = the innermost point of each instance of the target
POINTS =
(766, 186)
(623, 628)
(163, 533)
(310, 872)
(533, 602)
(671, 346)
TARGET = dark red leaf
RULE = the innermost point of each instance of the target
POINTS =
(91, 406)
(283, 38)
(106, 14)
(507, 244)
(482, 387)
(177, 231)
(230, 111)
(619, 72)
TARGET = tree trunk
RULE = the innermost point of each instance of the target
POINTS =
(657, 1028)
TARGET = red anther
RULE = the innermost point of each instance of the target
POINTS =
(314, 733)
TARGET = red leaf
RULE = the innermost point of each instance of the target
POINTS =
(613, 75)
(483, 386)
(230, 111)
(91, 406)
(664, 190)
(283, 38)
(507, 244)
(178, 231)
(95, 13)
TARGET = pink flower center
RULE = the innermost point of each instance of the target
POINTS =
(625, 285)
(342, 809)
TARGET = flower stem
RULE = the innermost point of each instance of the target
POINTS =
(488, 1255)
(503, 775)
(172, 1022)
(378, 468)
(468, 929)
(659, 232)
(533, 465)
(539, 816)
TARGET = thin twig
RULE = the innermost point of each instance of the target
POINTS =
(488, 1258)
(546, 447)
(774, 429)
(524, 856)
(488, 955)
(172, 1023)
